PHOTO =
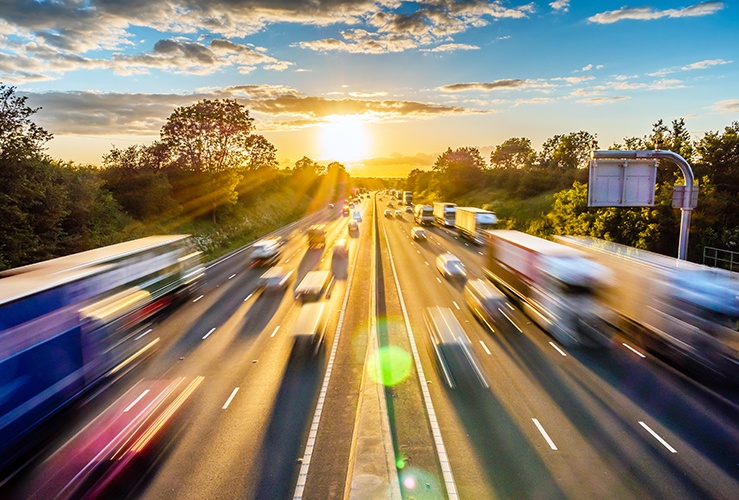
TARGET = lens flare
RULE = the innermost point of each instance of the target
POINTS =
(390, 366)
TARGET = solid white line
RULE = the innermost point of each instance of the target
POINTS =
(147, 331)
(273, 333)
(230, 398)
(248, 297)
(208, 334)
(544, 433)
(486, 348)
(558, 349)
(198, 298)
(509, 319)
(632, 349)
(136, 401)
(657, 437)
(456, 305)
(232, 276)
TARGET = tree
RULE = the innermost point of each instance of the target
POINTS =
(568, 151)
(515, 152)
(20, 138)
(458, 171)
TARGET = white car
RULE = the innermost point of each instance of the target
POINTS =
(388, 213)
(275, 279)
(341, 249)
(398, 214)
(450, 266)
(418, 233)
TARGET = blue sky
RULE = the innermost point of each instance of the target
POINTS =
(383, 86)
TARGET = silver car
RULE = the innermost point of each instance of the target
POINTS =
(450, 266)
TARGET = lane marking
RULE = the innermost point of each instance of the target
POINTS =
(438, 279)
(232, 276)
(558, 349)
(208, 334)
(544, 433)
(456, 305)
(509, 319)
(230, 398)
(136, 401)
(427, 263)
(627, 346)
(198, 298)
(657, 437)
(273, 333)
(248, 297)
(486, 348)
(510, 306)
(480, 253)
(147, 331)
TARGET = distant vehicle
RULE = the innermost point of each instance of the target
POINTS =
(331, 206)
(485, 301)
(452, 349)
(445, 213)
(388, 213)
(312, 285)
(309, 328)
(408, 197)
(423, 215)
(409, 209)
(471, 223)
(275, 279)
(357, 216)
(450, 266)
(679, 310)
(353, 226)
(556, 286)
(398, 214)
(265, 252)
(390, 204)
(340, 249)
(316, 236)
(418, 233)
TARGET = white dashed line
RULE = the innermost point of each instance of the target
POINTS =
(136, 401)
(232, 276)
(486, 348)
(544, 433)
(558, 349)
(198, 298)
(275, 332)
(657, 437)
(230, 398)
(427, 264)
(481, 253)
(248, 297)
(437, 279)
(633, 350)
(456, 305)
(208, 334)
(147, 331)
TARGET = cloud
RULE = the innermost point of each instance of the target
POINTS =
(497, 84)
(560, 5)
(573, 79)
(603, 100)
(727, 106)
(448, 47)
(648, 14)
(705, 64)
(535, 100)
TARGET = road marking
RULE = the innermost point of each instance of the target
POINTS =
(466, 244)
(248, 297)
(544, 433)
(147, 331)
(558, 349)
(486, 348)
(208, 334)
(632, 349)
(427, 263)
(232, 276)
(198, 298)
(481, 253)
(456, 305)
(288, 260)
(510, 306)
(230, 398)
(438, 279)
(136, 401)
(418, 251)
(657, 437)
(273, 333)
(509, 319)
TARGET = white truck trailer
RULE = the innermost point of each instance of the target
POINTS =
(444, 213)
(680, 310)
(423, 215)
(471, 222)
(555, 285)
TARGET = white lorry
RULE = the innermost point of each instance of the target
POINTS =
(444, 213)
(555, 285)
(471, 222)
(423, 215)
(680, 310)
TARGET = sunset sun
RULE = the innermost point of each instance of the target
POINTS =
(344, 139)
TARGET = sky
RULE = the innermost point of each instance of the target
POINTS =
(382, 86)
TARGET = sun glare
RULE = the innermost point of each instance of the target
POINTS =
(344, 139)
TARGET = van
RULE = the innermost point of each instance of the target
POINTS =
(309, 328)
(312, 285)
(452, 348)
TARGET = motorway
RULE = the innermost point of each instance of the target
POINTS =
(553, 422)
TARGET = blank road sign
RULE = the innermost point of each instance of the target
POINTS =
(622, 183)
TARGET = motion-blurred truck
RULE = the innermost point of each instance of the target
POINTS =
(408, 198)
(317, 236)
(423, 215)
(471, 222)
(679, 310)
(555, 285)
(445, 213)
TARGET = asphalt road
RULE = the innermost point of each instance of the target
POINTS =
(549, 422)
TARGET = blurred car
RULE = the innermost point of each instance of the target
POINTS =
(452, 349)
(485, 301)
(341, 248)
(388, 213)
(345, 211)
(390, 204)
(309, 329)
(357, 216)
(312, 285)
(450, 266)
(331, 205)
(418, 234)
(399, 214)
(276, 279)
(409, 209)
(266, 252)
(353, 226)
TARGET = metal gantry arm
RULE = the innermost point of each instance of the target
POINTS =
(687, 204)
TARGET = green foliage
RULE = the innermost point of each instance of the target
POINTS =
(515, 152)
(568, 151)
(20, 139)
(458, 170)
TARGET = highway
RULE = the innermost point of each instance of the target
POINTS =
(261, 422)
